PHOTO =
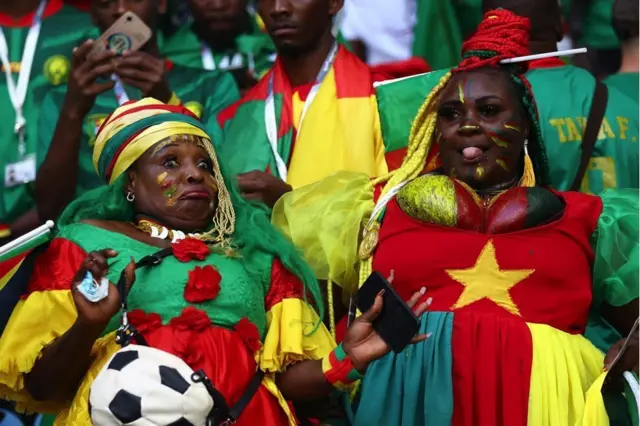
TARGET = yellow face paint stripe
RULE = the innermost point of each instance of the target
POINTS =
(500, 162)
(501, 143)
(511, 127)
(461, 92)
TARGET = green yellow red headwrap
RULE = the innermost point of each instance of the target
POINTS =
(135, 127)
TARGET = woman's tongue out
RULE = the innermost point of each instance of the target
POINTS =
(472, 154)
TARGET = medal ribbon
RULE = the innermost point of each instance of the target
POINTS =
(18, 92)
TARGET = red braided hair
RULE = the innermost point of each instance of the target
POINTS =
(504, 35)
(501, 35)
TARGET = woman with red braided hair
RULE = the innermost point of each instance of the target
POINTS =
(510, 269)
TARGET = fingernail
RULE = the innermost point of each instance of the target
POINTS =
(429, 335)
(381, 292)
(423, 290)
(429, 300)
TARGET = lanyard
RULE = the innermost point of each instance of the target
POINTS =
(270, 110)
(118, 90)
(208, 63)
(18, 92)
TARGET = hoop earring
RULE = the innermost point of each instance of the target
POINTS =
(131, 197)
(528, 174)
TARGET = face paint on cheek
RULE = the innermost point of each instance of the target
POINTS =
(511, 126)
(161, 178)
(169, 188)
(502, 163)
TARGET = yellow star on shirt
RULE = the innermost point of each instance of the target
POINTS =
(485, 279)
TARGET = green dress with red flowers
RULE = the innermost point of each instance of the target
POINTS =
(199, 305)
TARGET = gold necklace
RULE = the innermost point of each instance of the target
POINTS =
(161, 232)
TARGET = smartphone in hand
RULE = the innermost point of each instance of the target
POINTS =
(129, 32)
(397, 325)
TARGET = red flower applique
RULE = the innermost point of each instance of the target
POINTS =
(191, 319)
(189, 249)
(144, 322)
(249, 334)
(203, 284)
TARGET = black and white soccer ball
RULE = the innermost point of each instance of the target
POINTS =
(143, 386)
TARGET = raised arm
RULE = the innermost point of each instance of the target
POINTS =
(58, 174)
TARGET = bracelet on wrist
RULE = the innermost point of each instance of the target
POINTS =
(338, 369)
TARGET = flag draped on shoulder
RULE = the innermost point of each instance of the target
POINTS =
(340, 130)
(17, 260)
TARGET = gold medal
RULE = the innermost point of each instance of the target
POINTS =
(370, 241)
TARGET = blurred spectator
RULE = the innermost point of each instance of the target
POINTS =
(625, 22)
(590, 26)
(39, 56)
(564, 94)
(80, 108)
(380, 32)
(224, 35)
(387, 31)
(315, 81)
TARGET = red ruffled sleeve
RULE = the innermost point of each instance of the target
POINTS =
(56, 268)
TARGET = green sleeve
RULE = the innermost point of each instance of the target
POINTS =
(224, 92)
(615, 269)
(47, 120)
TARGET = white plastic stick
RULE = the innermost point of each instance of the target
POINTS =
(544, 55)
(31, 235)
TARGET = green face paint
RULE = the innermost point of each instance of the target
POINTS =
(168, 186)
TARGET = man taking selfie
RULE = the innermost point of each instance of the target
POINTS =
(100, 82)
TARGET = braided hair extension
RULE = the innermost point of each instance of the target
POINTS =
(501, 35)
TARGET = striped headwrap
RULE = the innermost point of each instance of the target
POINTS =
(136, 126)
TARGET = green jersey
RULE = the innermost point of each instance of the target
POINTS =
(627, 83)
(598, 30)
(564, 109)
(63, 28)
(254, 51)
(205, 93)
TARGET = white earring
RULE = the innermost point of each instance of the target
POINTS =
(131, 196)
(526, 150)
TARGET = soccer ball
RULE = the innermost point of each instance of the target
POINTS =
(143, 386)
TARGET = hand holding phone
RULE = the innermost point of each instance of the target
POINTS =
(364, 342)
(128, 33)
(145, 72)
(88, 78)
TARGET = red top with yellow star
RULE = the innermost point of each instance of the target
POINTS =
(514, 257)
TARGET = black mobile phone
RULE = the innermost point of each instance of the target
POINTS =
(396, 324)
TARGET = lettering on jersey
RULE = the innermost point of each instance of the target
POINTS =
(195, 108)
(15, 67)
(92, 125)
(571, 129)
(56, 69)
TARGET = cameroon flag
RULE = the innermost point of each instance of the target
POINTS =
(398, 103)
(16, 264)
(340, 131)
